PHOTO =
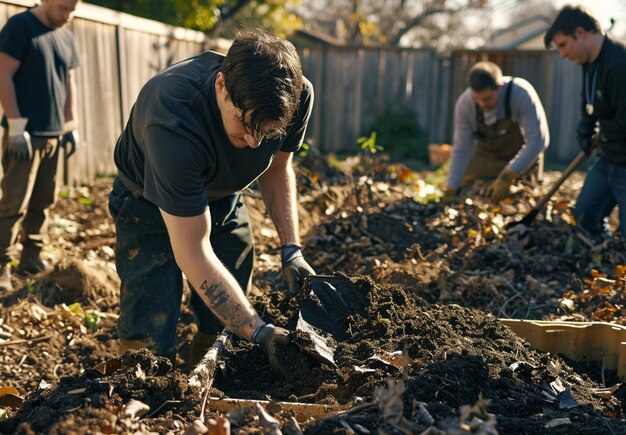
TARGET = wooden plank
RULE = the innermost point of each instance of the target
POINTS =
(582, 341)
(303, 411)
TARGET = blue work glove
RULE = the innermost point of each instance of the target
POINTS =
(68, 141)
(584, 134)
(268, 337)
(295, 267)
(20, 145)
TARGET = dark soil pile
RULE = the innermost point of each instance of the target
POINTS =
(428, 351)
(418, 366)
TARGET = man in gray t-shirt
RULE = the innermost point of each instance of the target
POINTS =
(500, 131)
(199, 132)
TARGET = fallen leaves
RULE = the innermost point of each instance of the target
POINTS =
(602, 299)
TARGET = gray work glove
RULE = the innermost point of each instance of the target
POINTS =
(295, 267)
(268, 337)
(68, 141)
(20, 145)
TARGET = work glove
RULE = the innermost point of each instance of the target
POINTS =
(295, 267)
(500, 187)
(69, 138)
(449, 194)
(584, 134)
(268, 337)
(20, 145)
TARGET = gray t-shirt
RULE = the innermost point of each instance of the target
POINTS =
(174, 151)
(526, 111)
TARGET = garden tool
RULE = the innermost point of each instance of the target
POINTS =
(530, 217)
(323, 317)
(334, 299)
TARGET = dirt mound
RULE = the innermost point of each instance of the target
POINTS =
(446, 357)
(111, 399)
(428, 363)
(74, 281)
(407, 363)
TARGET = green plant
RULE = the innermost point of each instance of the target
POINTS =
(400, 135)
(304, 149)
(368, 144)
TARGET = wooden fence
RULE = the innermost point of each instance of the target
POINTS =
(353, 85)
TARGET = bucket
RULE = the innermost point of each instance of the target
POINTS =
(438, 153)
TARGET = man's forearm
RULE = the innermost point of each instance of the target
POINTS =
(69, 110)
(278, 188)
(221, 293)
(216, 286)
(461, 155)
(8, 98)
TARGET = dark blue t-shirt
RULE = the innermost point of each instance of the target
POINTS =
(174, 150)
(46, 55)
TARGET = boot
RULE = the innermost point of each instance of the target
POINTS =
(200, 345)
(131, 344)
(30, 262)
(5, 278)
(139, 344)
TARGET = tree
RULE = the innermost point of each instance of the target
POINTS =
(215, 17)
(438, 23)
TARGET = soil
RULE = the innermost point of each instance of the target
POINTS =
(427, 353)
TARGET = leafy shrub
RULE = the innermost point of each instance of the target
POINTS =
(399, 134)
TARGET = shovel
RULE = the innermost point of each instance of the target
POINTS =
(530, 217)
(336, 298)
(323, 317)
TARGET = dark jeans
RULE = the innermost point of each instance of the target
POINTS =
(604, 188)
(152, 283)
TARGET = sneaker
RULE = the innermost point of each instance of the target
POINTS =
(5, 278)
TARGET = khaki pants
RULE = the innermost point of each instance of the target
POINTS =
(29, 188)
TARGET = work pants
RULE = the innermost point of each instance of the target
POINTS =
(604, 188)
(29, 188)
(151, 281)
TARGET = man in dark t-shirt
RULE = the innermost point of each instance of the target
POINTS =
(38, 93)
(199, 132)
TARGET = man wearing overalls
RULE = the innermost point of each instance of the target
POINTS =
(500, 132)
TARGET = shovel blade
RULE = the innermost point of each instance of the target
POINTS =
(336, 298)
(320, 347)
(525, 221)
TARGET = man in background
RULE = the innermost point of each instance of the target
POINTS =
(500, 132)
(38, 93)
(577, 35)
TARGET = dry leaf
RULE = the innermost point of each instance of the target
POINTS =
(135, 409)
(269, 424)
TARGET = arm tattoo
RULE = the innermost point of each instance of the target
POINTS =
(216, 297)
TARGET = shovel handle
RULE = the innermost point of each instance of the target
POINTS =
(566, 173)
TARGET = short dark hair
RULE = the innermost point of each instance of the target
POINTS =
(483, 75)
(568, 19)
(263, 78)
